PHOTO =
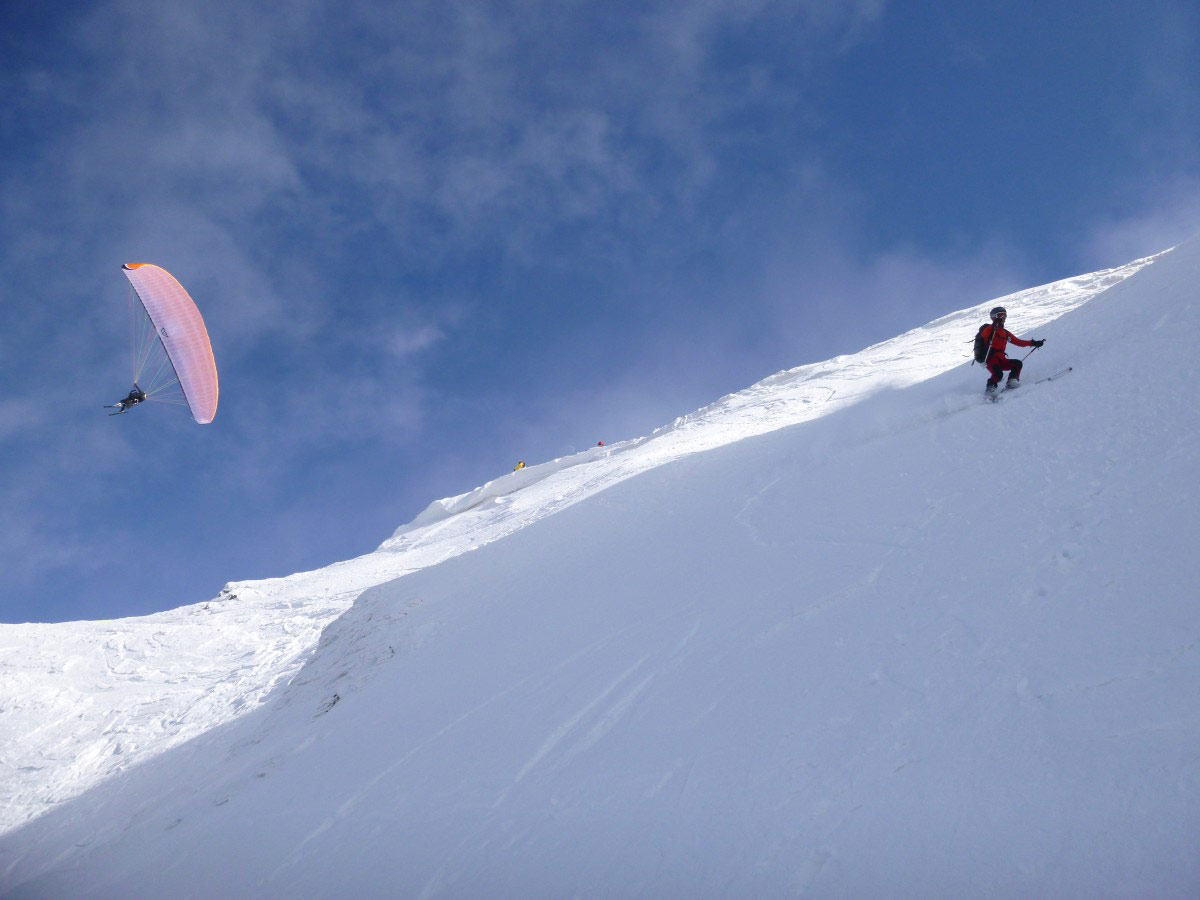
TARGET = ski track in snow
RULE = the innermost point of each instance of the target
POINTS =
(82, 701)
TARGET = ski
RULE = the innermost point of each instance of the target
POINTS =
(997, 396)
(1058, 374)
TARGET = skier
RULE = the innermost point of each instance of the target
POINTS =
(996, 336)
(519, 466)
(136, 396)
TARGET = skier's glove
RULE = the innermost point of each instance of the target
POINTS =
(1038, 343)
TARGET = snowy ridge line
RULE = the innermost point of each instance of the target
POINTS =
(123, 691)
(796, 395)
(499, 487)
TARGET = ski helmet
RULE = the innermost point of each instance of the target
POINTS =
(999, 312)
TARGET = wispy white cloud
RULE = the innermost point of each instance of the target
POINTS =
(405, 342)
(1156, 217)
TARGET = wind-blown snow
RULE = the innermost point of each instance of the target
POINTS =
(882, 639)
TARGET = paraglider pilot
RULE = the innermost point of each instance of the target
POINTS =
(136, 396)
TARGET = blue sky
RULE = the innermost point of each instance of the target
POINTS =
(432, 238)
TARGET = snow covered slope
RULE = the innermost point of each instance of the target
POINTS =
(882, 640)
(82, 701)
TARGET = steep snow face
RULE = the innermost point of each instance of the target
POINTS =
(82, 701)
(913, 644)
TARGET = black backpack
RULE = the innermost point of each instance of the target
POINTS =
(982, 344)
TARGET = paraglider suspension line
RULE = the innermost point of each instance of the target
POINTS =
(144, 340)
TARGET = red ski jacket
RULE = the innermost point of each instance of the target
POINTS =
(998, 339)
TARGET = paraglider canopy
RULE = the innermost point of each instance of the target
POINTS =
(180, 330)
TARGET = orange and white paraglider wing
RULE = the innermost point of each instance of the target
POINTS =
(181, 329)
